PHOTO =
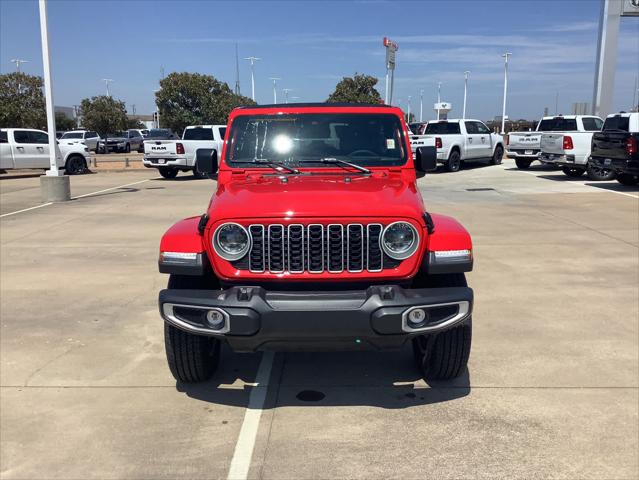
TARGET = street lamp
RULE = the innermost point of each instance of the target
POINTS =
(275, 79)
(18, 62)
(252, 60)
(421, 105)
(439, 97)
(408, 114)
(286, 91)
(465, 90)
(107, 81)
(503, 110)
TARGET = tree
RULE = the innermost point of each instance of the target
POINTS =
(22, 101)
(192, 99)
(357, 89)
(103, 114)
(63, 123)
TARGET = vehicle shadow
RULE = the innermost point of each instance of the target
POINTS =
(389, 380)
(614, 186)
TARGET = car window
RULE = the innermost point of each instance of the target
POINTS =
(198, 133)
(481, 128)
(558, 124)
(471, 127)
(72, 135)
(442, 128)
(617, 123)
(22, 136)
(3, 137)
(222, 133)
(591, 124)
(39, 137)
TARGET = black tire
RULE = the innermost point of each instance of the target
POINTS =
(444, 356)
(573, 172)
(498, 156)
(522, 164)
(627, 179)
(168, 172)
(127, 148)
(599, 174)
(76, 164)
(191, 358)
(454, 162)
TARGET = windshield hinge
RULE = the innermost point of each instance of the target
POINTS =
(201, 225)
(430, 225)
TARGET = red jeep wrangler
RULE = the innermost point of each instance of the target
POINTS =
(316, 238)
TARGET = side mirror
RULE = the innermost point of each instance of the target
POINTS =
(425, 160)
(206, 161)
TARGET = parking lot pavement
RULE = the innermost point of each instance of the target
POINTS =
(552, 387)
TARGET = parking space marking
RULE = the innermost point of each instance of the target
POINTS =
(73, 198)
(243, 453)
(589, 186)
(25, 209)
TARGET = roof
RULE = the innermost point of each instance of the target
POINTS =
(316, 105)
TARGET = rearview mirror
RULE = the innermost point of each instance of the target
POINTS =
(206, 161)
(425, 160)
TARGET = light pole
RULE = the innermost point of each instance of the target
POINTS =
(275, 79)
(465, 90)
(421, 105)
(54, 185)
(439, 97)
(503, 110)
(107, 81)
(286, 91)
(18, 62)
(408, 114)
(252, 60)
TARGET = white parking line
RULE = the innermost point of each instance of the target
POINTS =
(588, 186)
(243, 453)
(73, 198)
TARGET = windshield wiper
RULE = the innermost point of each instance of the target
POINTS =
(277, 166)
(342, 163)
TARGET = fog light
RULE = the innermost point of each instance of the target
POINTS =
(416, 316)
(216, 319)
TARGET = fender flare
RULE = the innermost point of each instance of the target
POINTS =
(183, 237)
(448, 235)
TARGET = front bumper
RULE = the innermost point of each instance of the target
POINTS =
(259, 319)
(153, 162)
(561, 160)
(619, 165)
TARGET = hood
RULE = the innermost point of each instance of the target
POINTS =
(114, 139)
(332, 196)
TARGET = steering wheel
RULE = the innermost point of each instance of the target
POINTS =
(363, 153)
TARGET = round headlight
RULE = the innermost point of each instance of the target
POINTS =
(231, 241)
(400, 240)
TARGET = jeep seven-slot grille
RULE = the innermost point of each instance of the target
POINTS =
(316, 248)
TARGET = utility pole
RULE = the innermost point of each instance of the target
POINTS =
(275, 79)
(408, 114)
(439, 97)
(503, 110)
(466, 73)
(107, 81)
(421, 105)
(133, 108)
(252, 60)
(286, 91)
(237, 72)
(54, 185)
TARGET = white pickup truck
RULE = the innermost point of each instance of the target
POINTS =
(568, 146)
(29, 148)
(460, 140)
(173, 156)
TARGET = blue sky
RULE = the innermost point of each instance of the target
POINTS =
(311, 45)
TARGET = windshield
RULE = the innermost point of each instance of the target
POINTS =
(364, 139)
(116, 134)
(159, 133)
(72, 135)
(558, 124)
(442, 128)
(198, 133)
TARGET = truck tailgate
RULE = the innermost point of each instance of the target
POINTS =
(610, 144)
(524, 141)
(421, 141)
(552, 143)
(160, 148)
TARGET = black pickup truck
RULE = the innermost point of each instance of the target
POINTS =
(615, 147)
